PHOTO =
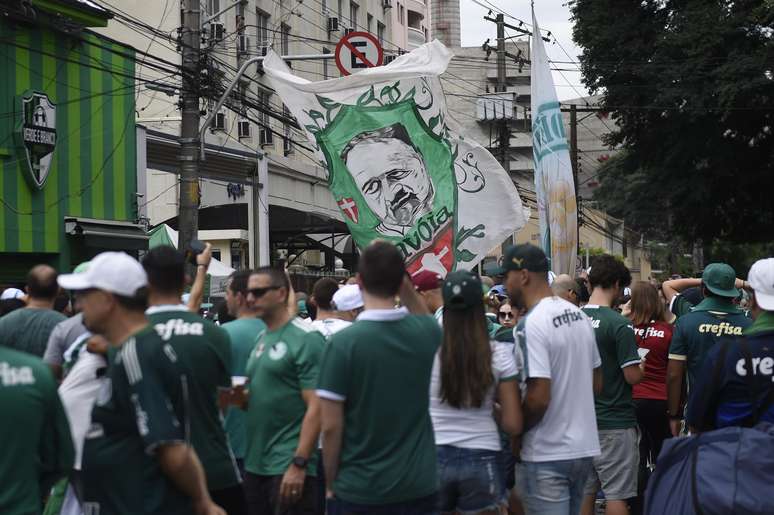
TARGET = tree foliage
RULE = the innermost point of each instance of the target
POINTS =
(690, 85)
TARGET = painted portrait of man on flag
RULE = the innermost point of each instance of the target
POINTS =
(397, 165)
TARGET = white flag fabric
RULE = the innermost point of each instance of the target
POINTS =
(554, 185)
(398, 167)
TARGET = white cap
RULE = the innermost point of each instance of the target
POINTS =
(348, 298)
(761, 279)
(11, 293)
(114, 272)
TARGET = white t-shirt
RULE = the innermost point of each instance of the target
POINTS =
(470, 428)
(330, 326)
(78, 392)
(556, 341)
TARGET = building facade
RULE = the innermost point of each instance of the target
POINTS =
(254, 124)
(67, 138)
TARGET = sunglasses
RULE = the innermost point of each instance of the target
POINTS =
(260, 292)
(506, 314)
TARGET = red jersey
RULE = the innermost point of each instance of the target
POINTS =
(655, 336)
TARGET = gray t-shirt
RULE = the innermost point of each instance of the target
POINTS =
(62, 337)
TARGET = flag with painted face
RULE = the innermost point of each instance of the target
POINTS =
(398, 167)
(554, 184)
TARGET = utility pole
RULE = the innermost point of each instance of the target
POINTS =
(504, 132)
(505, 136)
(188, 214)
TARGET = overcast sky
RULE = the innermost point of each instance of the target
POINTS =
(552, 15)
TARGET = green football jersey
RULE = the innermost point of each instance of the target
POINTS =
(617, 347)
(244, 334)
(135, 412)
(28, 329)
(680, 306)
(37, 446)
(204, 356)
(710, 322)
(380, 369)
(283, 363)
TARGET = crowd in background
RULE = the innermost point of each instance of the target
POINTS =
(515, 392)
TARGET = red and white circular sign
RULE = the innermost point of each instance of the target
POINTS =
(357, 51)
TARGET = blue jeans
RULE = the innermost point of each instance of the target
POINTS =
(553, 487)
(471, 479)
(423, 506)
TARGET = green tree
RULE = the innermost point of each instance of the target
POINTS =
(690, 85)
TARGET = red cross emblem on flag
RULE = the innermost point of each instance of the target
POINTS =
(348, 206)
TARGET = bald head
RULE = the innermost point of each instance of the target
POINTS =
(565, 287)
(41, 283)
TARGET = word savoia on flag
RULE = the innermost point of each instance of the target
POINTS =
(554, 185)
(398, 167)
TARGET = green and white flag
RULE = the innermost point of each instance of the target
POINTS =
(398, 167)
(554, 184)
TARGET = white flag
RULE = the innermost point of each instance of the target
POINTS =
(398, 167)
(554, 185)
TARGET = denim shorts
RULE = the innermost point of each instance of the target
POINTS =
(470, 479)
(552, 487)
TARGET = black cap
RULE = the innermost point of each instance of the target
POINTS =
(524, 257)
(462, 290)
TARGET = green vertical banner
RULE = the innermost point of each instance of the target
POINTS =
(554, 185)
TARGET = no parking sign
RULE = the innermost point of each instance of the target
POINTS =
(356, 51)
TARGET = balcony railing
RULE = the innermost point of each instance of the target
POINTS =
(416, 38)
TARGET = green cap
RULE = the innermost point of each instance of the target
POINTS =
(719, 278)
(462, 290)
(523, 257)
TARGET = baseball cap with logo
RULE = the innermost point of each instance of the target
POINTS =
(761, 279)
(719, 278)
(114, 272)
(348, 298)
(524, 257)
(462, 290)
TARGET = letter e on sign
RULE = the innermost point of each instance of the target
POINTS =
(356, 51)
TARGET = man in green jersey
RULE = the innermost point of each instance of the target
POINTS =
(28, 329)
(713, 320)
(679, 303)
(378, 444)
(244, 332)
(37, 446)
(616, 468)
(135, 456)
(283, 417)
(204, 357)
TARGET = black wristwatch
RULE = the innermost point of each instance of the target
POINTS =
(300, 462)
